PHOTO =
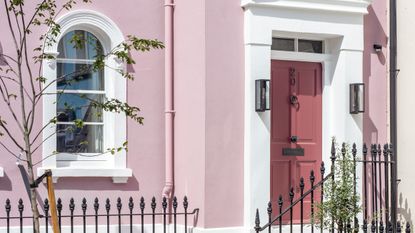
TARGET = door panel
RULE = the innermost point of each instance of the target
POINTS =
(296, 115)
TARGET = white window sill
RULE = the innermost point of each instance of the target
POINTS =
(1, 172)
(118, 175)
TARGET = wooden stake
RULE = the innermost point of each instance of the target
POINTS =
(53, 212)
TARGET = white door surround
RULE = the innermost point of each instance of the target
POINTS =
(340, 25)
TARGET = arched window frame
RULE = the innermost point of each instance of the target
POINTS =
(115, 87)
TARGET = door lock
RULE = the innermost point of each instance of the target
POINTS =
(294, 139)
(293, 99)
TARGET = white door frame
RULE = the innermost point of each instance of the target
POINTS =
(342, 64)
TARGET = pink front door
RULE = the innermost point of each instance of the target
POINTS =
(296, 129)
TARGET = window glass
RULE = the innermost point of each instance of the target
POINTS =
(72, 107)
(71, 139)
(78, 76)
(88, 49)
(78, 88)
(283, 44)
(310, 46)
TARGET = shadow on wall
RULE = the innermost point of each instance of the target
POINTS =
(5, 183)
(373, 34)
(404, 212)
(3, 61)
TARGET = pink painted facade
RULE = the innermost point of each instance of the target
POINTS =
(209, 104)
(375, 74)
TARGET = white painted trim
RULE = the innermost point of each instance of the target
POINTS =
(115, 128)
(1, 172)
(342, 64)
(119, 175)
(343, 6)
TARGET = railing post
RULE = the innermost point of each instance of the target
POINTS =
(385, 155)
(8, 208)
(398, 227)
(257, 222)
(312, 178)
(408, 228)
(71, 208)
(153, 211)
(131, 207)
(301, 204)
(185, 205)
(59, 208)
(107, 209)
(364, 226)
(373, 227)
(175, 204)
(119, 206)
(381, 228)
(380, 182)
(96, 207)
(291, 194)
(365, 180)
(333, 159)
(84, 206)
(354, 153)
(142, 206)
(393, 187)
(21, 208)
(164, 205)
(375, 182)
(269, 211)
(46, 209)
(280, 203)
(322, 171)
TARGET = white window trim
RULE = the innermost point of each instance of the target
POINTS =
(115, 132)
(1, 172)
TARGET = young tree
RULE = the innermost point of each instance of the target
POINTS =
(22, 85)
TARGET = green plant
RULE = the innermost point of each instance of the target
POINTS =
(341, 203)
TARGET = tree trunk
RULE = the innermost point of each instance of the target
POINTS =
(33, 195)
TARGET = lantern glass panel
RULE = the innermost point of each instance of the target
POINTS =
(357, 98)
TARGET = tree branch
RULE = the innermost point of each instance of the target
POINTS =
(6, 99)
(8, 150)
(10, 135)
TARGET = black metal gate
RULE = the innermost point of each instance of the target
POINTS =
(379, 194)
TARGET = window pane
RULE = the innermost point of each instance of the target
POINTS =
(79, 76)
(87, 139)
(72, 107)
(310, 46)
(88, 48)
(282, 44)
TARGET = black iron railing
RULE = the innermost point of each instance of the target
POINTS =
(377, 196)
(124, 218)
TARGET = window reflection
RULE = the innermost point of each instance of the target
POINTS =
(89, 49)
(79, 87)
(71, 139)
(79, 76)
(79, 107)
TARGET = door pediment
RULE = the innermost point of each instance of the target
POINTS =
(345, 6)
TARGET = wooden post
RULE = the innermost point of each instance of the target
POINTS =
(51, 194)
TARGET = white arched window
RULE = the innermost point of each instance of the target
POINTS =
(80, 152)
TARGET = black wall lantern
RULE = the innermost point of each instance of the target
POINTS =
(261, 95)
(357, 98)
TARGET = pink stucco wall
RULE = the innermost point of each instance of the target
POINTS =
(209, 111)
(146, 154)
(209, 108)
(375, 74)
